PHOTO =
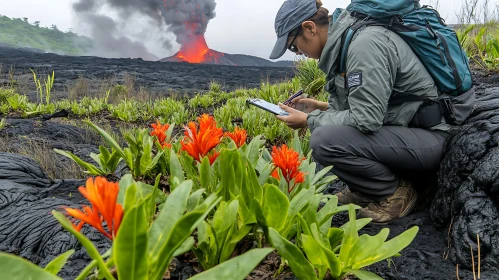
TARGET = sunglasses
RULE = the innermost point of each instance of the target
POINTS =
(291, 46)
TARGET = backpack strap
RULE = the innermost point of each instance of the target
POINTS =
(412, 98)
(443, 104)
(455, 72)
(347, 37)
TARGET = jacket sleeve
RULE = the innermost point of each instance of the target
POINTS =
(375, 58)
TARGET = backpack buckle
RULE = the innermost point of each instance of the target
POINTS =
(447, 109)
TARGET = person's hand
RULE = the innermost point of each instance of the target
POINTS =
(295, 119)
(307, 105)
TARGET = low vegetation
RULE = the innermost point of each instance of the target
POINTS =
(18, 32)
(228, 200)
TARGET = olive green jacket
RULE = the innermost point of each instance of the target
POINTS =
(388, 68)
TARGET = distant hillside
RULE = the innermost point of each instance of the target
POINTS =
(20, 33)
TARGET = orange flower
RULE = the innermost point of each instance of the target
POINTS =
(102, 196)
(199, 144)
(239, 136)
(159, 130)
(287, 160)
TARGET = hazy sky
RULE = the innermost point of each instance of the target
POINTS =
(241, 26)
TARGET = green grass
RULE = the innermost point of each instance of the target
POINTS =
(481, 43)
(229, 108)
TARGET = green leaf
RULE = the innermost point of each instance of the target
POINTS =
(335, 235)
(92, 169)
(146, 158)
(125, 182)
(171, 212)
(176, 170)
(299, 202)
(350, 236)
(182, 229)
(325, 215)
(130, 198)
(88, 269)
(275, 207)
(389, 248)
(104, 153)
(316, 257)
(252, 188)
(318, 176)
(194, 199)
(113, 162)
(89, 246)
(359, 224)
(310, 213)
(130, 245)
(97, 159)
(153, 163)
(300, 266)
(333, 262)
(205, 173)
(109, 139)
(295, 143)
(58, 263)
(246, 215)
(231, 174)
(253, 150)
(366, 245)
(144, 190)
(363, 275)
(14, 267)
(223, 220)
(237, 268)
(231, 243)
(185, 247)
(265, 173)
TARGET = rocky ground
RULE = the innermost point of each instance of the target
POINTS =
(157, 77)
(466, 191)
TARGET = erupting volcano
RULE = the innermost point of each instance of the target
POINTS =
(188, 19)
(195, 50)
(194, 15)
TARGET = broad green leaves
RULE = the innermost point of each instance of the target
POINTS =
(130, 246)
(237, 268)
(297, 261)
(14, 267)
(218, 238)
(316, 248)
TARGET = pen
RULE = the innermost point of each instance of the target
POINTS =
(293, 97)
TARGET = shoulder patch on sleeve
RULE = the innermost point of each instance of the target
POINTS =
(354, 79)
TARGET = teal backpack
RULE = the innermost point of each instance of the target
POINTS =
(436, 45)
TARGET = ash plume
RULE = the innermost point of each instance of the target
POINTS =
(183, 18)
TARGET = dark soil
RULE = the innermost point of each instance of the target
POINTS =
(158, 77)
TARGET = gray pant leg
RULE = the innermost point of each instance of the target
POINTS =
(371, 163)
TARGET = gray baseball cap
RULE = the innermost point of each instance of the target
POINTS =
(291, 14)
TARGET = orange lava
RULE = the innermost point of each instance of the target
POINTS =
(195, 50)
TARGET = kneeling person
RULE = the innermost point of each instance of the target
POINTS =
(366, 139)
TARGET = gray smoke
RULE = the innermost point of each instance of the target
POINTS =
(184, 18)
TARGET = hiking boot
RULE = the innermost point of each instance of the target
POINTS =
(398, 205)
(346, 197)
